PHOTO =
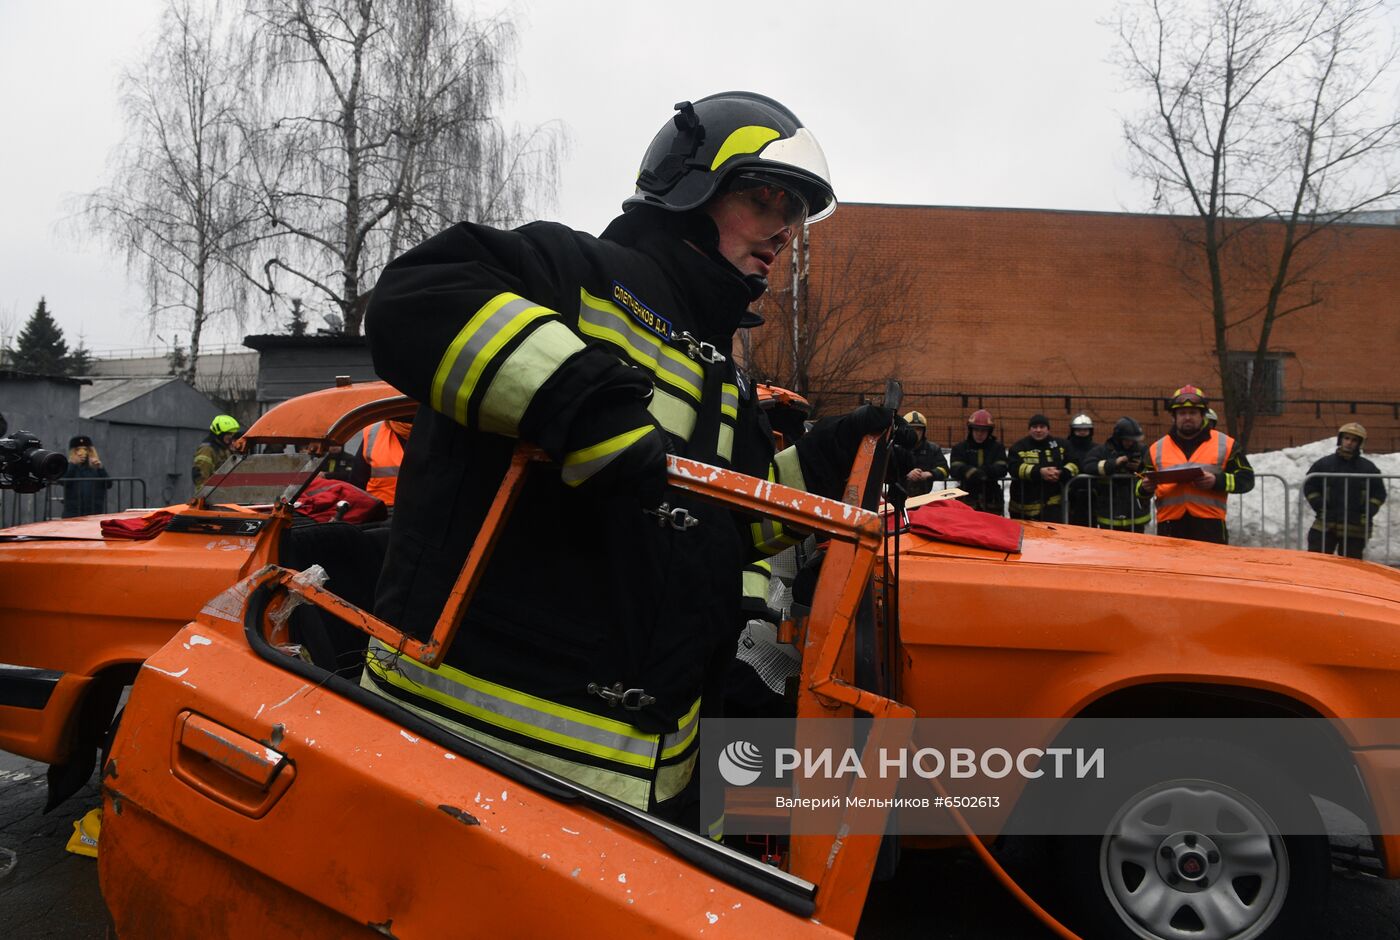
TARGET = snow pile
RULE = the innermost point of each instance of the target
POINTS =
(1257, 518)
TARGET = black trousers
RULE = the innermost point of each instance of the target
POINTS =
(1331, 543)
(1195, 528)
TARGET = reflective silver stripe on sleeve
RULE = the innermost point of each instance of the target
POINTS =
(384, 471)
(471, 351)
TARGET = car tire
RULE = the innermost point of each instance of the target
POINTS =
(1162, 869)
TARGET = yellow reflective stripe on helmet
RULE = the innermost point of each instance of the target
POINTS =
(605, 320)
(789, 468)
(517, 711)
(579, 465)
(673, 414)
(527, 368)
(748, 139)
(469, 353)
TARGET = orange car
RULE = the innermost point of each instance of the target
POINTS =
(253, 787)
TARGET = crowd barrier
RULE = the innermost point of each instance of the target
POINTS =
(22, 508)
(1274, 514)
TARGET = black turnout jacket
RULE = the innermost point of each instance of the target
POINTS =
(578, 345)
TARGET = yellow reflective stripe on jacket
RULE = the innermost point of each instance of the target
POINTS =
(767, 534)
(757, 577)
(729, 400)
(674, 415)
(676, 742)
(579, 465)
(628, 788)
(493, 326)
(605, 320)
(527, 368)
(789, 468)
(516, 711)
(725, 446)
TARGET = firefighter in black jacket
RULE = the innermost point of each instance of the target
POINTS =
(1039, 466)
(602, 616)
(979, 463)
(1344, 506)
(1115, 465)
(923, 464)
(1077, 448)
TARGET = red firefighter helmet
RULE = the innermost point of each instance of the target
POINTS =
(981, 418)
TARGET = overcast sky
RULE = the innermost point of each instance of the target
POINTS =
(1011, 103)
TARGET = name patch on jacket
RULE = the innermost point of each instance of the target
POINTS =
(640, 312)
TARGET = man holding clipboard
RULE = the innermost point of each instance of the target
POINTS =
(1191, 471)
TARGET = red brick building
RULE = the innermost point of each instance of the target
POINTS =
(1022, 310)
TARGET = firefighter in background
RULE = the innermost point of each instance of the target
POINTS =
(978, 464)
(1078, 446)
(382, 453)
(1038, 465)
(609, 611)
(1114, 465)
(924, 461)
(1344, 506)
(1195, 509)
(214, 449)
(1212, 419)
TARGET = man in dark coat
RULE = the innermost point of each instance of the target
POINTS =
(1115, 464)
(1344, 506)
(978, 464)
(85, 485)
(1077, 447)
(1038, 466)
(922, 465)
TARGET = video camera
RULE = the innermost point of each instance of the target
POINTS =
(25, 466)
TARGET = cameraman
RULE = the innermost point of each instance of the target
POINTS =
(1117, 503)
(85, 485)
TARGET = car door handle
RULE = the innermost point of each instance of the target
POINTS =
(230, 768)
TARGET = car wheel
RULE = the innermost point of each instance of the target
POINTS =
(1190, 848)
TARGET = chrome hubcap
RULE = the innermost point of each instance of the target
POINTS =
(1189, 859)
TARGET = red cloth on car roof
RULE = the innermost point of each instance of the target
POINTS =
(145, 527)
(951, 521)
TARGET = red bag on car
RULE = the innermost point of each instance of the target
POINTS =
(320, 498)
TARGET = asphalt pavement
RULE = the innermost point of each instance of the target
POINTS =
(45, 891)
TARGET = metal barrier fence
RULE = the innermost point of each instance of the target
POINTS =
(1374, 538)
(21, 508)
(1262, 518)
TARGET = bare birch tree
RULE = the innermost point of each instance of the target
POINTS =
(1262, 111)
(174, 204)
(820, 333)
(382, 128)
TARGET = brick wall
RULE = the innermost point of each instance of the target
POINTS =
(1097, 312)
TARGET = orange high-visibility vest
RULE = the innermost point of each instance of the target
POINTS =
(1175, 500)
(385, 452)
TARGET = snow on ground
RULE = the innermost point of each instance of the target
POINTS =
(1257, 518)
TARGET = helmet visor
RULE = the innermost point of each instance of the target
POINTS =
(770, 196)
